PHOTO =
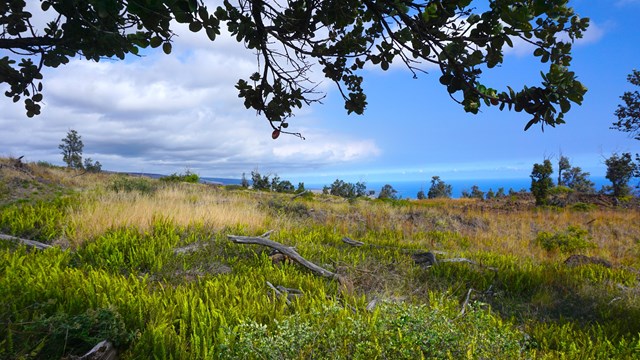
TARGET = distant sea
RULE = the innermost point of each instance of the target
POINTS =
(410, 189)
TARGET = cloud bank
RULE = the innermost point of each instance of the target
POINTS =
(165, 114)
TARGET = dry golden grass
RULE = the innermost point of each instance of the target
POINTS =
(183, 205)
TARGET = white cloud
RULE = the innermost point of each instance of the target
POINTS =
(164, 114)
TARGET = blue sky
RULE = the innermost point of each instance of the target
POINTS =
(168, 114)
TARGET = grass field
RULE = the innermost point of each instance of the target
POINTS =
(148, 266)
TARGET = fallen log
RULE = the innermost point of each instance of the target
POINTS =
(104, 350)
(351, 242)
(28, 243)
(292, 254)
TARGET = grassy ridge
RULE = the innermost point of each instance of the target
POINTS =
(149, 267)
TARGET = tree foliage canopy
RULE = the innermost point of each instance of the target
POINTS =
(620, 169)
(71, 149)
(541, 181)
(629, 113)
(439, 189)
(463, 38)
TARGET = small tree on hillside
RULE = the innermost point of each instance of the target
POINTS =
(578, 180)
(620, 169)
(490, 194)
(439, 189)
(541, 181)
(629, 113)
(475, 193)
(71, 147)
(244, 182)
(421, 195)
(90, 166)
(388, 192)
(563, 164)
(260, 182)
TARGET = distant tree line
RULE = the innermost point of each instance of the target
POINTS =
(267, 183)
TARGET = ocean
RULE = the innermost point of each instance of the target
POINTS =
(410, 189)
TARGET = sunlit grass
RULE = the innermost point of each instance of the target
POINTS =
(201, 205)
(124, 277)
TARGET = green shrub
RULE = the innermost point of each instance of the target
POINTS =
(560, 190)
(188, 177)
(46, 164)
(570, 240)
(62, 334)
(580, 206)
(130, 184)
(393, 332)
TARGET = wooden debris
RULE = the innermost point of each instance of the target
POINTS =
(466, 302)
(425, 259)
(29, 243)
(104, 350)
(351, 242)
(372, 304)
(471, 262)
(288, 294)
(577, 260)
(292, 254)
(300, 194)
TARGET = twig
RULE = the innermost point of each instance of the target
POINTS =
(300, 194)
(465, 260)
(466, 302)
(286, 250)
(278, 293)
(352, 242)
(29, 243)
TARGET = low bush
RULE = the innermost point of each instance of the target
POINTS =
(572, 239)
(188, 177)
(130, 184)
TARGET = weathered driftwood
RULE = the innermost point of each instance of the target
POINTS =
(29, 243)
(351, 242)
(300, 194)
(288, 294)
(104, 350)
(292, 254)
(466, 302)
(428, 259)
(577, 260)
(471, 262)
(286, 250)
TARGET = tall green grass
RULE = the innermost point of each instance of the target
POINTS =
(171, 286)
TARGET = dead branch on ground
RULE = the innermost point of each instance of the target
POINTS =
(292, 254)
(28, 243)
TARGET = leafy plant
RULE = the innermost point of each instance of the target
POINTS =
(187, 177)
(572, 239)
(129, 184)
(541, 182)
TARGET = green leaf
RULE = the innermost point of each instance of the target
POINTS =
(155, 42)
(531, 122)
(211, 33)
(195, 26)
(166, 47)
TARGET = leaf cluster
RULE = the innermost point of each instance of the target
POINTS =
(289, 38)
